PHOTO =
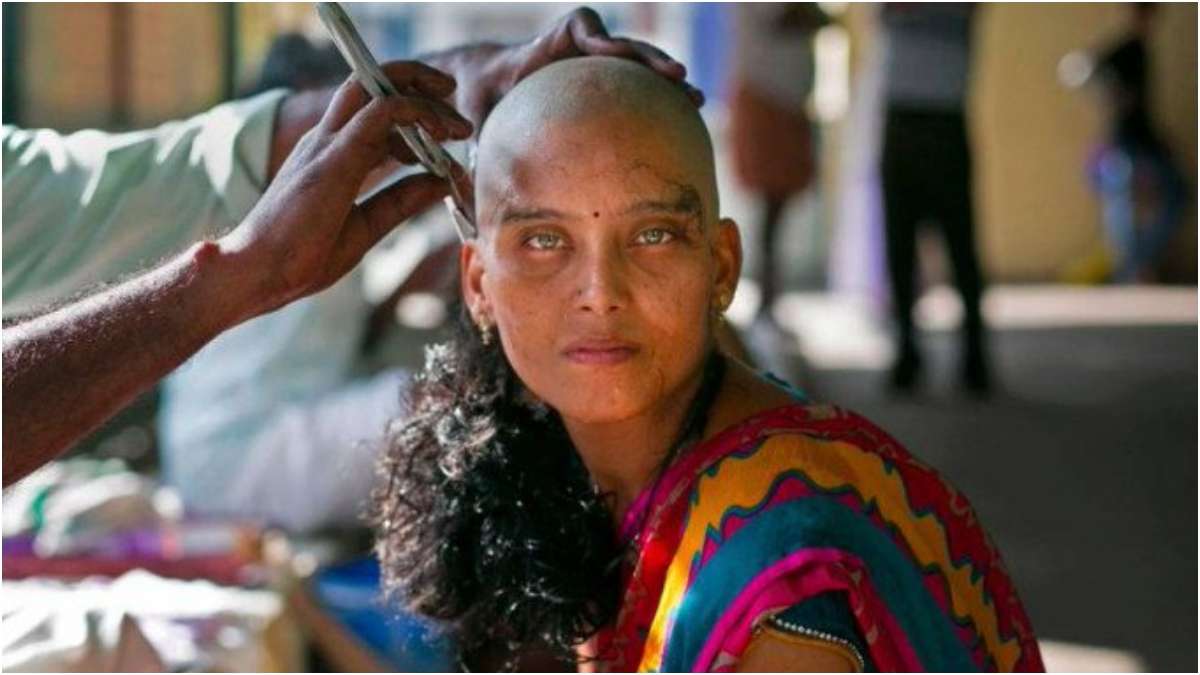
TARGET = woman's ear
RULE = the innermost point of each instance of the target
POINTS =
(727, 251)
(470, 265)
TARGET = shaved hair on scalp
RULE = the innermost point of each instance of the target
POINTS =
(589, 88)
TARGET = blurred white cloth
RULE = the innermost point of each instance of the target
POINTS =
(93, 207)
(318, 455)
(144, 623)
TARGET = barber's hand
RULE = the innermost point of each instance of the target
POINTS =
(486, 72)
(582, 33)
(488, 76)
(306, 232)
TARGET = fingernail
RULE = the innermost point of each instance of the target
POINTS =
(454, 120)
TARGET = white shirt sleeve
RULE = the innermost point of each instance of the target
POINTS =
(93, 208)
(309, 465)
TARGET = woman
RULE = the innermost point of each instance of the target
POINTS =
(582, 468)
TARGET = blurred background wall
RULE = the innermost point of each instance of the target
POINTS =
(1033, 135)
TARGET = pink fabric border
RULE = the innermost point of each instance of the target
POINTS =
(794, 578)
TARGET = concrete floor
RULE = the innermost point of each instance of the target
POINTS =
(1082, 466)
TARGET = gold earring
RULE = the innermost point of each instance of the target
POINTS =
(485, 332)
(722, 302)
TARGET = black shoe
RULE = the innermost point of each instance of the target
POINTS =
(906, 370)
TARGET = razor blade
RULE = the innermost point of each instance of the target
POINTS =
(428, 152)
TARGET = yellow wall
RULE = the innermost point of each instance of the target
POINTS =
(175, 59)
(66, 64)
(174, 63)
(1032, 136)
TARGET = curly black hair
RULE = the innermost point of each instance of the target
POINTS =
(487, 520)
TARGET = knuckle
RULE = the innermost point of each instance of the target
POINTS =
(585, 13)
(403, 107)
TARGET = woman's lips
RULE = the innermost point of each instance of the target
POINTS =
(600, 352)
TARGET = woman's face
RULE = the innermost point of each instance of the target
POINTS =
(599, 261)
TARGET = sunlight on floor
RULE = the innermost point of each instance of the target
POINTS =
(844, 332)
(1064, 657)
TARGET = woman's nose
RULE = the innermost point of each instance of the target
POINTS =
(603, 283)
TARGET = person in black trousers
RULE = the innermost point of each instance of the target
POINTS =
(926, 172)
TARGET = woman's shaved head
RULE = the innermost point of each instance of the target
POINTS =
(589, 106)
(600, 258)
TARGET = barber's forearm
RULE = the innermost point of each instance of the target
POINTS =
(67, 372)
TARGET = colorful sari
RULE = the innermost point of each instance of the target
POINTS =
(796, 503)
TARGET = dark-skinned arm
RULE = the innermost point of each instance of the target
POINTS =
(774, 652)
(68, 371)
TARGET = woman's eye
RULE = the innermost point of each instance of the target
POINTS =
(655, 235)
(544, 241)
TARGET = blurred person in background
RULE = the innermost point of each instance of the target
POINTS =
(295, 62)
(1141, 189)
(273, 419)
(772, 137)
(926, 172)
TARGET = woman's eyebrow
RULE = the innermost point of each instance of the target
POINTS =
(517, 214)
(687, 202)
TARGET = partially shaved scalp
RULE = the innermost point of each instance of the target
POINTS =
(602, 94)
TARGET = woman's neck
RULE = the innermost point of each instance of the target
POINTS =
(623, 456)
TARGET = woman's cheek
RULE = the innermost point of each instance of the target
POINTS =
(526, 319)
(533, 356)
(514, 286)
(681, 297)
